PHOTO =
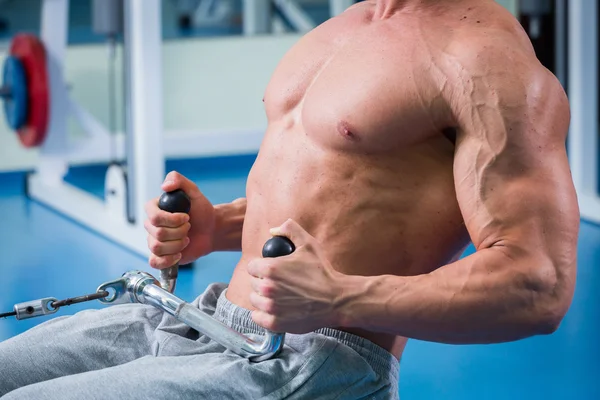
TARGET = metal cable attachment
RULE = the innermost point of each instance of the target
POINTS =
(35, 308)
(49, 305)
(141, 287)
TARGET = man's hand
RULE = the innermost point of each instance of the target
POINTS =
(177, 237)
(297, 293)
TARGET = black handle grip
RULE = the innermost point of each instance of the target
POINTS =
(175, 202)
(278, 246)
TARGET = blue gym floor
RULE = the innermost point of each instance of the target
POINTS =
(45, 254)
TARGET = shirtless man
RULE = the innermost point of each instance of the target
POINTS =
(398, 132)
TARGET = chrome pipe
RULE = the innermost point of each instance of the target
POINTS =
(141, 287)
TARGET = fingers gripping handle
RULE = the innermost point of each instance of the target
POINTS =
(277, 246)
(174, 202)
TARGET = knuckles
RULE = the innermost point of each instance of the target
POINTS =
(152, 262)
(160, 234)
(163, 234)
(267, 269)
(155, 219)
(267, 288)
(261, 267)
(160, 262)
(155, 262)
(269, 306)
(154, 246)
(160, 219)
(272, 268)
(270, 322)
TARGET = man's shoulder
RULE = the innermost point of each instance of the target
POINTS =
(502, 59)
(496, 47)
(517, 94)
(498, 68)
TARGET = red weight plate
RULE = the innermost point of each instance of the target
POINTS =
(31, 52)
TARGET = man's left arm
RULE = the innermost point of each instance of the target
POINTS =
(515, 191)
(516, 195)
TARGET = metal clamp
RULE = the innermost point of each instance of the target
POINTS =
(35, 308)
(141, 287)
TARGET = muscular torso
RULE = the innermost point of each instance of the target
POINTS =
(355, 149)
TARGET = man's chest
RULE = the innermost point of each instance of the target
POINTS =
(358, 86)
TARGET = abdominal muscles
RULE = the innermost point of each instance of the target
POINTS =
(373, 213)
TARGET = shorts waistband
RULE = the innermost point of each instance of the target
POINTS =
(382, 361)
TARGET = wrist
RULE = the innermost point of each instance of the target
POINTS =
(354, 290)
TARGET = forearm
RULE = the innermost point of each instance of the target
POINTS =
(484, 298)
(229, 222)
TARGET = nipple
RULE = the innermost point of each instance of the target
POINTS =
(346, 132)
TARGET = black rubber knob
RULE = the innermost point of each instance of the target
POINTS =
(278, 246)
(175, 202)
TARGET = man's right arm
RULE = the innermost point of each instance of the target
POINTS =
(229, 222)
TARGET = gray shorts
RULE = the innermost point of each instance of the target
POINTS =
(135, 351)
